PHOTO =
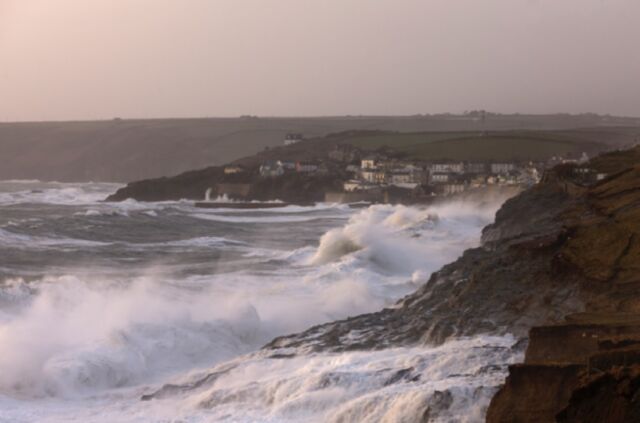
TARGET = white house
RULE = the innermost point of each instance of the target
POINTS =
(447, 167)
(230, 170)
(271, 169)
(374, 176)
(355, 185)
(502, 168)
(455, 188)
(400, 177)
(293, 139)
(368, 164)
(475, 168)
(306, 167)
(439, 178)
(289, 165)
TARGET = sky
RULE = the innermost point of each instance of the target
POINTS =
(96, 59)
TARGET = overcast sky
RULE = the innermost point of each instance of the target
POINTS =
(86, 59)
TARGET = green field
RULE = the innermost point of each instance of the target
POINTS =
(401, 141)
(473, 146)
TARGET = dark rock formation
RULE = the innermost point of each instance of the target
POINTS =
(533, 393)
(292, 187)
(561, 258)
(556, 249)
(569, 365)
(560, 267)
(611, 397)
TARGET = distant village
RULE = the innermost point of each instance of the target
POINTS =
(380, 177)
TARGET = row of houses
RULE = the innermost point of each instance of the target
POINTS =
(445, 177)
(440, 177)
(445, 167)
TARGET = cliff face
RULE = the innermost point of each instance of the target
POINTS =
(588, 363)
(510, 283)
(561, 258)
(560, 269)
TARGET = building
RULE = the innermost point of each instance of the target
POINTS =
(230, 170)
(355, 185)
(398, 177)
(368, 163)
(453, 188)
(475, 168)
(293, 139)
(271, 169)
(528, 176)
(502, 168)
(306, 167)
(447, 167)
(289, 165)
(374, 176)
(439, 178)
(478, 181)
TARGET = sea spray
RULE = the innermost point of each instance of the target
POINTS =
(123, 301)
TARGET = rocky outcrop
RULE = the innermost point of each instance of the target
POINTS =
(611, 397)
(567, 366)
(292, 187)
(562, 258)
(560, 269)
(589, 365)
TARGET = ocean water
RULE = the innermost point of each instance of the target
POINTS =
(102, 303)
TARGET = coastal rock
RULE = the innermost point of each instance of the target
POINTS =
(291, 188)
(612, 397)
(559, 269)
(561, 258)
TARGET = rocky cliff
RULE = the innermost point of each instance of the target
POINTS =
(560, 268)
(291, 188)
(585, 367)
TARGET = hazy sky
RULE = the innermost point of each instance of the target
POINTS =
(84, 59)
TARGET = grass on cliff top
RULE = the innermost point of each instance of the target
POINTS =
(473, 146)
(616, 161)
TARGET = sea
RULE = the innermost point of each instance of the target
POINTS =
(104, 303)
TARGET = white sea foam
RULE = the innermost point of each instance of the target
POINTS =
(85, 346)
(455, 380)
(404, 240)
(281, 210)
(261, 219)
(74, 337)
(201, 241)
(16, 240)
(452, 382)
(53, 193)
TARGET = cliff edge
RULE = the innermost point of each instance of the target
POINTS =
(560, 270)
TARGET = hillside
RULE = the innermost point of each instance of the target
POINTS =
(126, 150)
(509, 145)
(503, 145)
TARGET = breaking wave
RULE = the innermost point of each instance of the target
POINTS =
(36, 192)
(188, 295)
